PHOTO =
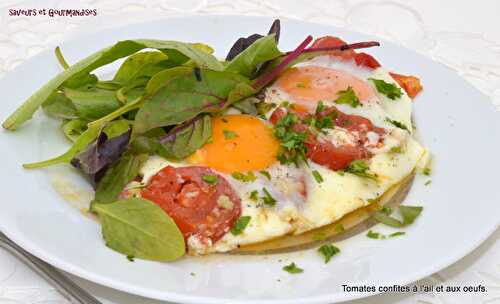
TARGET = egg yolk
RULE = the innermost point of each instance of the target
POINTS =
(239, 143)
(313, 83)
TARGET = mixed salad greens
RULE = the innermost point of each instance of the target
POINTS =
(159, 102)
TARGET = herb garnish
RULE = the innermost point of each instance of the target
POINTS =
(292, 268)
(317, 176)
(210, 179)
(379, 236)
(427, 183)
(292, 142)
(249, 177)
(360, 167)
(388, 89)
(397, 124)
(254, 195)
(339, 228)
(266, 174)
(267, 198)
(426, 171)
(348, 96)
(229, 134)
(240, 225)
(328, 251)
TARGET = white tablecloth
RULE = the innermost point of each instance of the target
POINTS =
(464, 35)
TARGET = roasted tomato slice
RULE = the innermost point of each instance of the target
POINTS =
(335, 157)
(331, 41)
(410, 84)
(366, 60)
(203, 209)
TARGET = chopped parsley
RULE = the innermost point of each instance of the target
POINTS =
(131, 258)
(339, 228)
(375, 235)
(427, 183)
(210, 179)
(267, 198)
(317, 176)
(398, 233)
(320, 236)
(264, 107)
(426, 171)
(229, 134)
(325, 122)
(249, 177)
(397, 124)
(293, 148)
(301, 85)
(388, 89)
(320, 107)
(379, 236)
(328, 251)
(396, 149)
(348, 96)
(360, 167)
(240, 225)
(292, 268)
(254, 195)
(266, 174)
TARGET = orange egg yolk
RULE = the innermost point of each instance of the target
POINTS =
(311, 84)
(239, 143)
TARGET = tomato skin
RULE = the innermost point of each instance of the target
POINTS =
(332, 41)
(366, 60)
(326, 153)
(193, 203)
(410, 84)
(334, 157)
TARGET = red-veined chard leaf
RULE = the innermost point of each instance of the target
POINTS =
(78, 74)
(185, 96)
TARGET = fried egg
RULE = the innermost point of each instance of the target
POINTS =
(243, 143)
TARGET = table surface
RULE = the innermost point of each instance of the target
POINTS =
(464, 35)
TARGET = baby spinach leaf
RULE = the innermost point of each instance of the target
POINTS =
(93, 104)
(74, 128)
(139, 228)
(185, 139)
(117, 177)
(260, 51)
(184, 97)
(136, 65)
(59, 106)
(78, 74)
(101, 153)
(241, 91)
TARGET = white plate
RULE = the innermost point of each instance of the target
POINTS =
(455, 121)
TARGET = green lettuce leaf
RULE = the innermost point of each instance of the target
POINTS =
(78, 73)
